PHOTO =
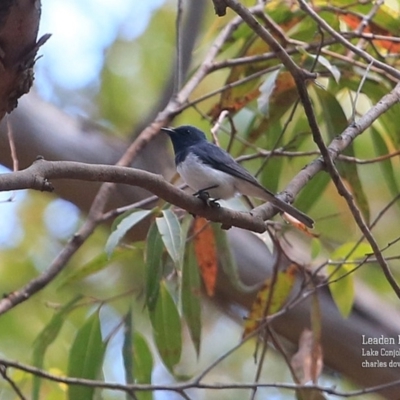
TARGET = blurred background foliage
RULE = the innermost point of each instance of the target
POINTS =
(123, 59)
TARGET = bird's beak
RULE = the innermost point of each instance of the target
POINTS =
(168, 131)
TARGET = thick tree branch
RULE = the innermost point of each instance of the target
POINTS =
(41, 172)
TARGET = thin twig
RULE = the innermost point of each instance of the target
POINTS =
(13, 149)
(178, 61)
(4, 374)
(179, 387)
(360, 86)
(217, 125)
(365, 22)
(261, 153)
(239, 82)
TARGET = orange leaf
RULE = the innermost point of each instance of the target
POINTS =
(284, 83)
(299, 225)
(277, 93)
(206, 253)
(354, 21)
(281, 290)
(233, 102)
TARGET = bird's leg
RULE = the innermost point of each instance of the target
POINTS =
(205, 196)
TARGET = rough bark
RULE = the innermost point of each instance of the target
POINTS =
(19, 24)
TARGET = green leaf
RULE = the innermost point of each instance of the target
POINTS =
(389, 119)
(281, 289)
(271, 181)
(191, 297)
(227, 262)
(349, 172)
(386, 18)
(154, 266)
(343, 290)
(95, 265)
(276, 164)
(336, 122)
(186, 224)
(143, 364)
(335, 72)
(170, 230)
(166, 325)
(137, 357)
(45, 338)
(122, 227)
(312, 192)
(351, 251)
(385, 165)
(279, 93)
(316, 247)
(86, 357)
(127, 347)
(266, 89)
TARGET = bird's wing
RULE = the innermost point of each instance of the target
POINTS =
(221, 160)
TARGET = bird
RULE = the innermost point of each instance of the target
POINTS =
(213, 173)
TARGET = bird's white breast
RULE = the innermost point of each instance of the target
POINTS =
(201, 176)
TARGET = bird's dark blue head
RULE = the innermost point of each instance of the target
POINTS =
(184, 137)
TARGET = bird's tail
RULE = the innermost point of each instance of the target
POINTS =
(294, 212)
(251, 187)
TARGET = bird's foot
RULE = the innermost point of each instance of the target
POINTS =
(205, 196)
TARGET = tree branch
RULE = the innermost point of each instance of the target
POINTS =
(4, 374)
(192, 384)
(38, 175)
